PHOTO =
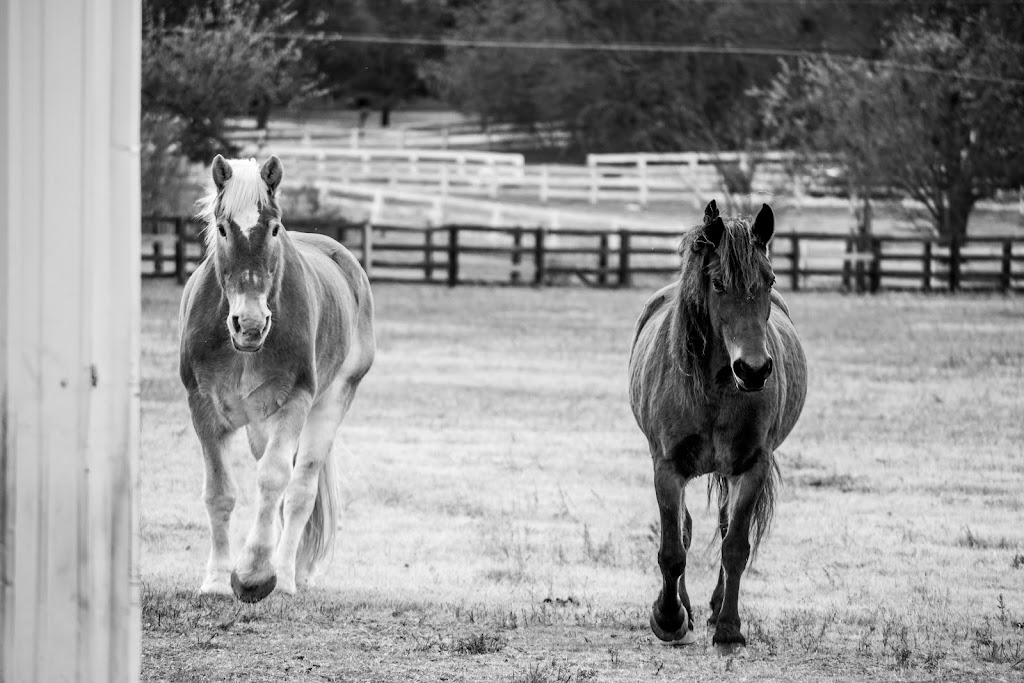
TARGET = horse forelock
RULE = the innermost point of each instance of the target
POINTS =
(244, 196)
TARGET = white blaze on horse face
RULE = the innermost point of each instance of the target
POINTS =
(247, 220)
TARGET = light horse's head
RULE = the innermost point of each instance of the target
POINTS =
(244, 234)
(732, 280)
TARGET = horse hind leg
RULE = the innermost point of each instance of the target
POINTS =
(671, 615)
(310, 501)
(723, 526)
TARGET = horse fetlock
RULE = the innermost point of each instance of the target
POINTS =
(217, 583)
(674, 630)
(728, 633)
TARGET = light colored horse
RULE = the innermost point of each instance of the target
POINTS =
(717, 381)
(276, 334)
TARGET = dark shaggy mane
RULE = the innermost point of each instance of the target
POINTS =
(739, 262)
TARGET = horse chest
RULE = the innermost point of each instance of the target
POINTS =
(249, 395)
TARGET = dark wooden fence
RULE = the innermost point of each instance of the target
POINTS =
(466, 254)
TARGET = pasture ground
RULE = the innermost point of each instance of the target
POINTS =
(499, 519)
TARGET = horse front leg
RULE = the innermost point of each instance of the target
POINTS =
(254, 576)
(671, 619)
(745, 491)
(219, 494)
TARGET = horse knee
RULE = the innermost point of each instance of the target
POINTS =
(221, 504)
(272, 478)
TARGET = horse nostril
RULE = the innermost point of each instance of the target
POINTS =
(236, 324)
(741, 369)
(768, 368)
(266, 324)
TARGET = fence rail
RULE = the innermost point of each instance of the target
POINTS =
(479, 254)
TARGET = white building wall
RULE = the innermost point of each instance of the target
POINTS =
(69, 331)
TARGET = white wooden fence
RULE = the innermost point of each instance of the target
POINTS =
(453, 136)
(69, 340)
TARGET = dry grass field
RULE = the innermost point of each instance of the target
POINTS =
(499, 520)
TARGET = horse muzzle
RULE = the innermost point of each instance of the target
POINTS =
(248, 335)
(749, 378)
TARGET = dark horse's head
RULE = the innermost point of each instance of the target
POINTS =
(243, 234)
(726, 284)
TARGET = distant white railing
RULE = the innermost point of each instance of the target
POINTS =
(497, 175)
(432, 136)
(404, 207)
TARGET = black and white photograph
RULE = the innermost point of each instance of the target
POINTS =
(524, 341)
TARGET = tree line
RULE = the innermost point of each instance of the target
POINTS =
(922, 98)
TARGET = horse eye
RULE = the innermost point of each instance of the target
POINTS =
(718, 286)
(222, 231)
(273, 232)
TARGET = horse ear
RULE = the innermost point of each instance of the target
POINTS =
(710, 212)
(764, 226)
(221, 170)
(272, 172)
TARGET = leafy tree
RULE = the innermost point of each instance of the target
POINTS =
(633, 100)
(913, 121)
(383, 75)
(217, 64)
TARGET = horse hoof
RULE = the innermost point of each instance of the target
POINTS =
(252, 593)
(681, 636)
(731, 649)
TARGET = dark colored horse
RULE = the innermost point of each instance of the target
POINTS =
(717, 381)
(276, 334)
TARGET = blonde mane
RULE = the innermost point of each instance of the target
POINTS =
(245, 191)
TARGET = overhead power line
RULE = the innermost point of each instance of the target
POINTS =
(652, 48)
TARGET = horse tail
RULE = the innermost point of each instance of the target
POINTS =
(764, 505)
(317, 540)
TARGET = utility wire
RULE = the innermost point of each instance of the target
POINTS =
(651, 48)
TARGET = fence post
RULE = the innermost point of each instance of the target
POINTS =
(1005, 279)
(794, 262)
(158, 256)
(453, 256)
(368, 248)
(876, 264)
(926, 267)
(858, 264)
(625, 274)
(540, 271)
(544, 184)
(517, 257)
(602, 260)
(180, 250)
(642, 169)
(954, 264)
(847, 270)
(428, 254)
